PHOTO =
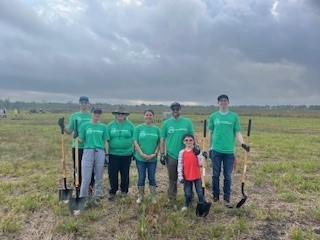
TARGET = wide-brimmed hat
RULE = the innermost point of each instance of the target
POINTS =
(120, 110)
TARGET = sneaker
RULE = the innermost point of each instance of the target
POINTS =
(111, 197)
(227, 203)
(184, 209)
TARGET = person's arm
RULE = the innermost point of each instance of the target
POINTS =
(106, 147)
(210, 139)
(180, 166)
(138, 148)
(239, 137)
(162, 146)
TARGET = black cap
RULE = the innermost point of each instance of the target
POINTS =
(96, 110)
(175, 105)
(83, 99)
(223, 96)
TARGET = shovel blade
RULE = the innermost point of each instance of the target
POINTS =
(65, 195)
(76, 205)
(203, 209)
(242, 201)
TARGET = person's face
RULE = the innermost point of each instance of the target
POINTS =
(120, 116)
(223, 103)
(175, 112)
(148, 117)
(84, 106)
(188, 141)
(96, 115)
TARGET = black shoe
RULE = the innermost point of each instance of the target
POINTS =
(215, 199)
(111, 197)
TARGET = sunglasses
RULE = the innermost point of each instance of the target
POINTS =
(175, 109)
(97, 112)
(188, 140)
(121, 114)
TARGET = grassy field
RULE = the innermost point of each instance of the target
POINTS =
(283, 188)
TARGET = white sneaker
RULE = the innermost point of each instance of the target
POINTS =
(139, 200)
(184, 209)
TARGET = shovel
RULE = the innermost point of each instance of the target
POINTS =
(76, 205)
(203, 209)
(243, 178)
(64, 194)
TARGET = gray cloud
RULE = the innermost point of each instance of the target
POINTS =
(158, 51)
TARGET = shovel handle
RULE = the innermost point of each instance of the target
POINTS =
(249, 128)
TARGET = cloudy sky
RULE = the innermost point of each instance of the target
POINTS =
(157, 51)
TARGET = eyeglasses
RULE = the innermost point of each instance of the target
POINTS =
(121, 114)
(97, 112)
(188, 140)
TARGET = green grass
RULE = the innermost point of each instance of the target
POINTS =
(283, 188)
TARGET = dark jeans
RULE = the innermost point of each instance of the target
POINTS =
(119, 164)
(80, 171)
(142, 170)
(188, 192)
(226, 161)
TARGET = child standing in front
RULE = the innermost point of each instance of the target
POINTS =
(189, 170)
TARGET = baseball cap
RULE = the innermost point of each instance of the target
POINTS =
(96, 110)
(223, 96)
(175, 105)
(83, 99)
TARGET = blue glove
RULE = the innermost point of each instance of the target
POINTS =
(106, 160)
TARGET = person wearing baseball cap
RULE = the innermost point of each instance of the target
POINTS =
(224, 129)
(94, 136)
(83, 115)
(171, 142)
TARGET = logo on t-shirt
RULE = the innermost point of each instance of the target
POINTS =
(217, 121)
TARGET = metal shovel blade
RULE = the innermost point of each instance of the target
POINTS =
(242, 201)
(203, 209)
(65, 195)
(76, 205)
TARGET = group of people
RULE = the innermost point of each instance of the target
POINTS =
(115, 145)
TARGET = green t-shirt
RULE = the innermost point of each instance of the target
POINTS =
(82, 117)
(224, 128)
(147, 136)
(94, 135)
(120, 138)
(172, 131)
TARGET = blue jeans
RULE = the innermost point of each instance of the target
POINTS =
(142, 169)
(188, 192)
(225, 160)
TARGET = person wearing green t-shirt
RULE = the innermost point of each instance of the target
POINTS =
(93, 135)
(171, 136)
(82, 116)
(146, 138)
(224, 129)
(120, 152)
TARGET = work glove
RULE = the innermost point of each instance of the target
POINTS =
(245, 147)
(163, 159)
(106, 160)
(205, 154)
(196, 149)
(181, 180)
(61, 122)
